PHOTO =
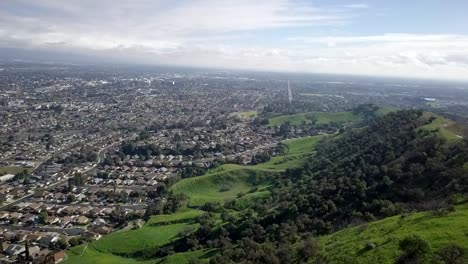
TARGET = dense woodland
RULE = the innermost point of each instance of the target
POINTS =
(385, 168)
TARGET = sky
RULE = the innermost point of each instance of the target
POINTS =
(408, 38)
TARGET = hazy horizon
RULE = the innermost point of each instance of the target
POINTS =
(363, 38)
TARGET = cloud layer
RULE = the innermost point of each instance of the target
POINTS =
(262, 34)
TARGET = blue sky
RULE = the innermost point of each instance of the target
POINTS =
(427, 39)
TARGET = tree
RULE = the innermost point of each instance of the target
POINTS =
(194, 261)
(415, 249)
(308, 249)
(27, 254)
(414, 245)
(452, 254)
(61, 244)
(75, 241)
(71, 198)
(284, 253)
(43, 217)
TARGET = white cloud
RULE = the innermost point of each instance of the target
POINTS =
(357, 6)
(145, 20)
(223, 33)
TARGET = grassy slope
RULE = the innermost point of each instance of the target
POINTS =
(322, 118)
(383, 110)
(446, 128)
(162, 229)
(208, 188)
(249, 114)
(386, 233)
(91, 255)
(128, 242)
(13, 170)
(183, 215)
(185, 257)
(298, 150)
(159, 230)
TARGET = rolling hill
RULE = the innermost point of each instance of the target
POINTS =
(336, 180)
(385, 234)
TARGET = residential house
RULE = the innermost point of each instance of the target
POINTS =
(56, 257)
(82, 220)
(14, 249)
(47, 240)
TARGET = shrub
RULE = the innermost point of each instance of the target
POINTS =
(415, 250)
(452, 254)
(370, 245)
(415, 245)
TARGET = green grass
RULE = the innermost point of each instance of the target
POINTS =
(220, 186)
(91, 255)
(227, 181)
(302, 145)
(147, 237)
(249, 114)
(158, 231)
(162, 229)
(185, 257)
(444, 127)
(183, 215)
(383, 110)
(298, 150)
(246, 200)
(386, 234)
(13, 170)
(321, 117)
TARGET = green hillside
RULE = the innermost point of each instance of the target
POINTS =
(87, 254)
(444, 127)
(439, 231)
(221, 186)
(355, 175)
(158, 231)
(162, 229)
(147, 237)
(227, 181)
(320, 117)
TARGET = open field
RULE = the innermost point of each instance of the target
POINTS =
(298, 150)
(444, 127)
(227, 181)
(248, 115)
(128, 242)
(383, 110)
(302, 145)
(386, 233)
(185, 257)
(91, 255)
(321, 118)
(155, 233)
(221, 186)
(183, 215)
(12, 170)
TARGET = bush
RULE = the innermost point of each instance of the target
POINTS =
(415, 250)
(415, 245)
(370, 245)
(452, 254)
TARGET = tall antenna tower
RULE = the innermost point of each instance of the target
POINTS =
(289, 93)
